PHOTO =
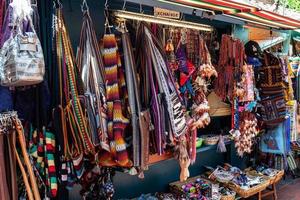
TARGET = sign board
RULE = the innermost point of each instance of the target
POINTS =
(160, 12)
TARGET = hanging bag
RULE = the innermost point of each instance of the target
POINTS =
(21, 58)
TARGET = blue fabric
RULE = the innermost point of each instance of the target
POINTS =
(254, 62)
(6, 101)
(276, 140)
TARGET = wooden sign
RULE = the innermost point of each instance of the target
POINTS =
(171, 14)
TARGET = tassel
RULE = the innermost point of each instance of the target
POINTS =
(193, 153)
(221, 145)
(181, 153)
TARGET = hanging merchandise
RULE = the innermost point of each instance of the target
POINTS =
(272, 90)
(91, 68)
(166, 86)
(231, 60)
(276, 140)
(69, 115)
(21, 56)
(10, 130)
(2, 14)
(116, 122)
(138, 117)
(292, 110)
(247, 83)
(151, 98)
(248, 130)
(42, 155)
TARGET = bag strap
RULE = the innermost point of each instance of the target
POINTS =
(21, 138)
(69, 72)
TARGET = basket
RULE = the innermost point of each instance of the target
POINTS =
(223, 176)
(228, 197)
(249, 192)
(272, 180)
(211, 140)
(176, 187)
(277, 178)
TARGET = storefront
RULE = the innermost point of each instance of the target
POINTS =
(115, 99)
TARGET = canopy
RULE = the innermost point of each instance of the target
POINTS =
(248, 13)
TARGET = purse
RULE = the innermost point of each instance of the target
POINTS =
(21, 58)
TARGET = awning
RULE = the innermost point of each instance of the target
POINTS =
(240, 11)
(269, 42)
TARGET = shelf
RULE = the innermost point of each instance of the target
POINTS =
(210, 147)
(155, 159)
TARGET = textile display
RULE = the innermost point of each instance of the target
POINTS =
(276, 140)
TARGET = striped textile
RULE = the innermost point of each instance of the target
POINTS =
(116, 122)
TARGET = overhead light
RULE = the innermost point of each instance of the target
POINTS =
(161, 20)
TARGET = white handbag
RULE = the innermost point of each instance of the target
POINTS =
(21, 58)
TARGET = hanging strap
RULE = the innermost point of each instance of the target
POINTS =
(70, 82)
(174, 106)
(22, 141)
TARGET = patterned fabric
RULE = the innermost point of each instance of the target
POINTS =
(248, 83)
(116, 121)
(274, 109)
(276, 139)
(2, 14)
(51, 180)
(272, 90)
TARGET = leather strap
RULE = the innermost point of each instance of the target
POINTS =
(5, 194)
(21, 138)
(12, 163)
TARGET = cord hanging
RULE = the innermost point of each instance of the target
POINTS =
(124, 5)
(107, 26)
(84, 6)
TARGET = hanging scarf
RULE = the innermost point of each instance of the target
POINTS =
(116, 121)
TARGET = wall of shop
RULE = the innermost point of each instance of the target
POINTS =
(241, 32)
(160, 174)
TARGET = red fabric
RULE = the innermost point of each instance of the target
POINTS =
(241, 8)
(2, 13)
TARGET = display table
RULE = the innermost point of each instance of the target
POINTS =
(265, 189)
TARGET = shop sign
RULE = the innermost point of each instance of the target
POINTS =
(160, 12)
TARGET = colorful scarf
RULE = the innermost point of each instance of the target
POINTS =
(116, 121)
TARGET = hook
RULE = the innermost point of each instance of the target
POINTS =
(106, 5)
(141, 8)
(58, 4)
(124, 4)
(84, 6)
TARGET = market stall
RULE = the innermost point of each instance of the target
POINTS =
(124, 98)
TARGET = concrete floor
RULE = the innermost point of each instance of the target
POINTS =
(287, 190)
(290, 191)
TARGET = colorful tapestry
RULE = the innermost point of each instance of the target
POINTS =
(274, 109)
(276, 139)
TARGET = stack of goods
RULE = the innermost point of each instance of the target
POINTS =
(244, 184)
(196, 188)
(274, 175)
